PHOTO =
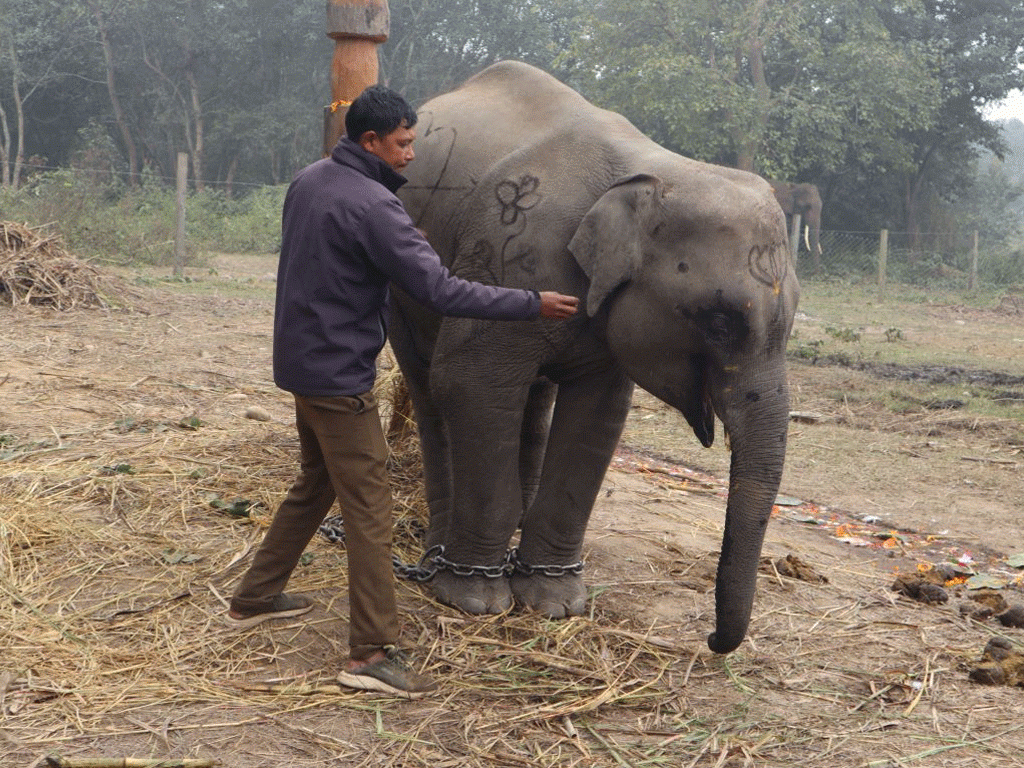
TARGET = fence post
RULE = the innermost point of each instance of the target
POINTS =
(179, 230)
(972, 278)
(794, 237)
(883, 260)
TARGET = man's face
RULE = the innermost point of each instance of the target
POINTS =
(393, 148)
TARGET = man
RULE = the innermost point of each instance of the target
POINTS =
(345, 236)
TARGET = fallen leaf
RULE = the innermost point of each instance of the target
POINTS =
(985, 581)
(788, 501)
(177, 557)
(238, 507)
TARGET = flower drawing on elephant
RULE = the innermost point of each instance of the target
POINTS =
(768, 265)
(516, 197)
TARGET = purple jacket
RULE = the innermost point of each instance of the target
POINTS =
(344, 237)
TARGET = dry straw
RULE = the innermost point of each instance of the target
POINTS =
(36, 269)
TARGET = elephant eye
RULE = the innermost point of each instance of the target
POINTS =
(718, 329)
(722, 327)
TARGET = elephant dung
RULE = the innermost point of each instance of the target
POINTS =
(1000, 664)
(922, 590)
(793, 567)
(990, 598)
(1014, 617)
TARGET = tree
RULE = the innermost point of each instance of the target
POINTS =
(435, 46)
(788, 90)
(976, 50)
(33, 35)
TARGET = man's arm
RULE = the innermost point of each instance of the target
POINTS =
(405, 256)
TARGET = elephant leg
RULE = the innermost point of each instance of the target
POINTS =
(536, 425)
(437, 478)
(585, 429)
(484, 422)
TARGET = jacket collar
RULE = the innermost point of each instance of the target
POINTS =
(348, 152)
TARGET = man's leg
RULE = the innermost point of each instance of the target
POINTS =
(355, 454)
(294, 525)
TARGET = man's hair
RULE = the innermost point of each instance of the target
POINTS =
(378, 109)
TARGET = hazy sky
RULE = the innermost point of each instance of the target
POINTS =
(1010, 107)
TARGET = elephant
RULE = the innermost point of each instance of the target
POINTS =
(686, 289)
(805, 200)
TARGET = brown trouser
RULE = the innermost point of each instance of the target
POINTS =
(343, 457)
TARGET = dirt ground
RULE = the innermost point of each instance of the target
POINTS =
(128, 437)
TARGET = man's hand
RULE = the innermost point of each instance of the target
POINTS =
(557, 306)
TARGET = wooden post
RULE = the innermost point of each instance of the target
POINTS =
(357, 28)
(794, 238)
(972, 278)
(179, 230)
(883, 262)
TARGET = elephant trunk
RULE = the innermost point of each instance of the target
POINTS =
(757, 431)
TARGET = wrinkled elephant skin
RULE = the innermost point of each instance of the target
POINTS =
(687, 292)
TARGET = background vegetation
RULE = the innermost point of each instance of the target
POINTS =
(879, 104)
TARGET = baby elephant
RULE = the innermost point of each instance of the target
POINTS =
(687, 291)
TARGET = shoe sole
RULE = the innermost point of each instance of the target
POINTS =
(367, 683)
(259, 618)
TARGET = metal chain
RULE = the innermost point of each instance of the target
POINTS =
(554, 571)
(424, 570)
(333, 529)
(433, 560)
(487, 571)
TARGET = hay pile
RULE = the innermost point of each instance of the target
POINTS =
(35, 269)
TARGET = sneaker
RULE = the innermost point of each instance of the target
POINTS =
(391, 674)
(282, 607)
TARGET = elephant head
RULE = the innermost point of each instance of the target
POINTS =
(803, 200)
(692, 285)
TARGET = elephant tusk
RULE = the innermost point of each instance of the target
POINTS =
(807, 236)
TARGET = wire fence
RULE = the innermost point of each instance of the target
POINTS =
(893, 261)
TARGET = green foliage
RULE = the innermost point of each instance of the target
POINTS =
(116, 224)
(878, 104)
(251, 224)
(843, 334)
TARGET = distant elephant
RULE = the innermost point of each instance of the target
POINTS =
(687, 290)
(805, 200)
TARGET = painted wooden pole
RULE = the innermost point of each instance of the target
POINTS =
(357, 28)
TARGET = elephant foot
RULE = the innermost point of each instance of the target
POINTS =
(554, 597)
(472, 594)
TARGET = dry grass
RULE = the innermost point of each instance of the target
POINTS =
(114, 568)
(36, 269)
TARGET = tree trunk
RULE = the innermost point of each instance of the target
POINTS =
(229, 180)
(12, 167)
(748, 144)
(5, 150)
(199, 125)
(115, 101)
(5, 145)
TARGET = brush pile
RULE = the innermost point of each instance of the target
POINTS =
(36, 269)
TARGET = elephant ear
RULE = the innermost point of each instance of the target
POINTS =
(607, 243)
